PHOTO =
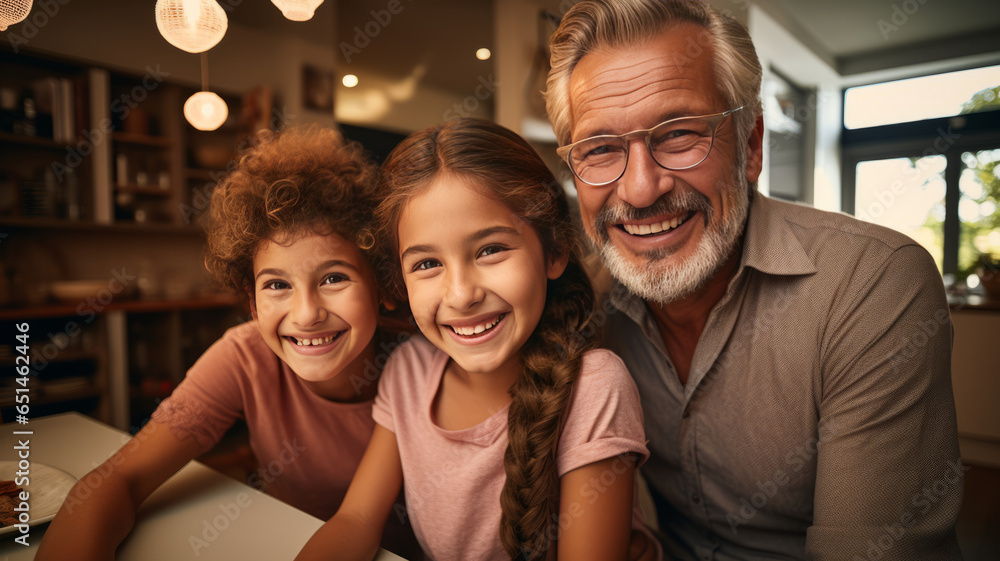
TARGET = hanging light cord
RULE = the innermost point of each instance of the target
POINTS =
(204, 71)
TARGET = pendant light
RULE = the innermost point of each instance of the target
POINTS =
(297, 10)
(205, 110)
(14, 11)
(191, 25)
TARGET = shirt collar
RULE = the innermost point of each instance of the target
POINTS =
(769, 246)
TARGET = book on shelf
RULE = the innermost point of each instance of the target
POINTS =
(55, 105)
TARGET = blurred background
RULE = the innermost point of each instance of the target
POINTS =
(883, 109)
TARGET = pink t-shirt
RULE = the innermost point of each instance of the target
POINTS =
(307, 447)
(453, 479)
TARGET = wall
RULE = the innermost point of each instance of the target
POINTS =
(123, 36)
(975, 374)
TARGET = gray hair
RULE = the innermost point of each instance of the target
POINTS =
(610, 23)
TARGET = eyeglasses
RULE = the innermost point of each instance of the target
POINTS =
(677, 144)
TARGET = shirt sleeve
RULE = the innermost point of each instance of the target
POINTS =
(209, 399)
(889, 474)
(605, 419)
(382, 408)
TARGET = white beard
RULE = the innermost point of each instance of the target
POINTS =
(658, 283)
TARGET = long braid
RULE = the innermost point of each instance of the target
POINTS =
(504, 165)
(541, 398)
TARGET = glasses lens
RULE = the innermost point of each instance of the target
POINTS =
(682, 143)
(599, 159)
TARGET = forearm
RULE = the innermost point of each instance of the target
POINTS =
(92, 522)
(343, 537)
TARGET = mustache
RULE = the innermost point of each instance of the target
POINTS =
(674, 202)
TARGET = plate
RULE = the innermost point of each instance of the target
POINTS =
(48, 487)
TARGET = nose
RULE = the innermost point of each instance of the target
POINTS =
(306, 308)
(643, 181)
(462, 290)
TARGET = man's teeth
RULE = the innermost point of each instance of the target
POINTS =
(477, 329)
(317, 341)
(646, 229)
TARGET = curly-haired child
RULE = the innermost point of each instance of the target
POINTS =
(517, 439)
(288, 228)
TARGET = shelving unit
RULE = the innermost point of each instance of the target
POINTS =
(135, 170)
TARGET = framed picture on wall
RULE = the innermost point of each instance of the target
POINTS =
(317, 88)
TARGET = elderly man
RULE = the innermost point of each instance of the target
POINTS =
(794, 365)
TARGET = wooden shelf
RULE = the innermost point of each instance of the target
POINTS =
(129, 306)
(137, 189)
(118, 228)
(38, 141)
(142, 140)
(208, 175)
(70, 355)
(39, 397)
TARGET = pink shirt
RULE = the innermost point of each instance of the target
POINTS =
(308, 447)
(453, 479)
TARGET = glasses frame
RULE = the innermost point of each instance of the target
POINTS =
(714, 120)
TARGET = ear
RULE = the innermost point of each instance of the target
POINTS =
(556, 266)
(388, 303)
(755, 151)
(253, 302)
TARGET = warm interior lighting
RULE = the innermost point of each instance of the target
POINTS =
(205, 111)
(191, 25)
(350, 80)
(13, 11)
(297, 10)
(483, 54)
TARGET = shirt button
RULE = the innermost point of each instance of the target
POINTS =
(695, 498)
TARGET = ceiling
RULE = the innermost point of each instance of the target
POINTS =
(440, 37)
(857, 36)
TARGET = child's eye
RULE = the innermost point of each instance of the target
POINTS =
(491, 249)
(275, 285)
(426, 264)
(335, 278)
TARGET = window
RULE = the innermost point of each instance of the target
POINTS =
(922, 156)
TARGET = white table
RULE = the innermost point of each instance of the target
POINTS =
(196, 514)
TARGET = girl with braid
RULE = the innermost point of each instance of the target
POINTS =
(516, 438)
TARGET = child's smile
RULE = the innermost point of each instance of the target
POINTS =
(475, 275)
(316, 306)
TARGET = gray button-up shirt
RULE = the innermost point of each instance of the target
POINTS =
(818, 420)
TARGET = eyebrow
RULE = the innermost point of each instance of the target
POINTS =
(320, 267)
(473, 237)
(664, 117)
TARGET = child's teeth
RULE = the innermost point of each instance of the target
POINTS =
(476, 330)
(316, 341)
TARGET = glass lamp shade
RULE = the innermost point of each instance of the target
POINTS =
(205, 111)
(14, 11)
(191, 25)
(297, 10)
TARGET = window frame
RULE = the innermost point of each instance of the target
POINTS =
(947, 136)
